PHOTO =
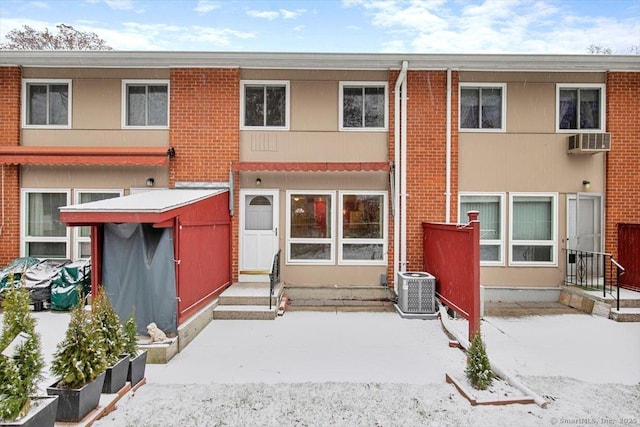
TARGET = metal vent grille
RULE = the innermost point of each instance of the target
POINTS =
(417, 292)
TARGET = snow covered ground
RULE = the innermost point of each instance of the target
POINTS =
(376, 369)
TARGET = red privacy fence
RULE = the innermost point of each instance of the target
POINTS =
(629, 255)
(451, 252)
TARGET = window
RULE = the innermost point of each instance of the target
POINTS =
(82, 235)
(264, 105)
(482, 106)
(310, 228)
(491, 209)
(146, 103)
(46, 103)
(533, 229)
(363, 106)
(580, 107)
(362, 228)
(43, 235)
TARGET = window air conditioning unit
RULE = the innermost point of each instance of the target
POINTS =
(417, 292)
(589, 143)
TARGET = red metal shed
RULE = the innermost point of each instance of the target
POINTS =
(165, 253)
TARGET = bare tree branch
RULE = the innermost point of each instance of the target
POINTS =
(67, 38)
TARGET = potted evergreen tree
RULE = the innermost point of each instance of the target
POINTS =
(114, 341)
(138, 359)
(79, 362)
(21, 366)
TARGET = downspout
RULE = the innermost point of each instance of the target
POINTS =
(403, 171)
(396, 172)
(447, 191)
(2, 223)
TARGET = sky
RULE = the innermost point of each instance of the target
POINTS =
(352, 26)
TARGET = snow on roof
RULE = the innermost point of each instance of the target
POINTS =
(153, 201)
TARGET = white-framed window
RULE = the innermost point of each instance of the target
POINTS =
(491, 207)
(483, 107)
(362, 228)
(364, 106)
(533, 231)
(42, 233)
(145, 104)
(264, 104)
(82, 235)
(580, 107)
(310, 227)
(46, 103)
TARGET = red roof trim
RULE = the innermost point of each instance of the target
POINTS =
(121, 156)
(310, 166)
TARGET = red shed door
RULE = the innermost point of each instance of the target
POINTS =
(258, 233)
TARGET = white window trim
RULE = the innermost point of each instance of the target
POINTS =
(363, 84)
(554, 238)
(77, 239)
(287, 114)
(381, 241)
(503, 120)
(603, 105)
(329, 240)
(24, 239)
(123, 109)
(25, 101)
(503, 219)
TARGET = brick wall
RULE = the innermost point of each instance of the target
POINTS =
(623, 161)
(426, 152)
(204, 129)
(10, 87)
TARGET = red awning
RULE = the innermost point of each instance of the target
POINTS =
(310, 166)
(82, 156)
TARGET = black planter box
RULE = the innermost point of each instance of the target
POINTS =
(137, 366)
(42, 416)
(116, 376)
(75, 404)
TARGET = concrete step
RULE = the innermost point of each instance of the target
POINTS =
(339, 305)
(244, 312)
(250, 294)
(337, 292)
(625, 314)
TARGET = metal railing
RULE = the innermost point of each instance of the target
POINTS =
(274, 276)
(594, 271)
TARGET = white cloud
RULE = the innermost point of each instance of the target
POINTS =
(206, 6)
(299, 28)
(265, 14)
(39, 5)
(291, 14)
(120, 4)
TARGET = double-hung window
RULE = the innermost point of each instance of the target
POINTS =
(264, 105)
(46, 103)
(362, 231)
(145, 104)
(483, 106)
(363, 106)
(491, 216)
(82, 235)
(43, 235)
(310, 227)
(534, 228)
(580, 107)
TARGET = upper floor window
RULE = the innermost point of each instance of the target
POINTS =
(264, 104)
(146, 103)
(482, 106)
(46, 103)
(580, 107)
(363, 106)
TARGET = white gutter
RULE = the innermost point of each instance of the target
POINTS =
(396, 171)
(447, 191)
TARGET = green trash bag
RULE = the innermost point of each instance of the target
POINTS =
(71, 285)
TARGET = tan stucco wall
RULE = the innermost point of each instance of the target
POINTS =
(334, 181)
(529, 157)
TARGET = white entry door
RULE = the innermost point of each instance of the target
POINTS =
(584, 233)
(258, 234)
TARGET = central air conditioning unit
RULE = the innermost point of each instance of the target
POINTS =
(589, 143)
(417, 292)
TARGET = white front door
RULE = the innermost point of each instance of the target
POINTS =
(258, 234)
(584, 234)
